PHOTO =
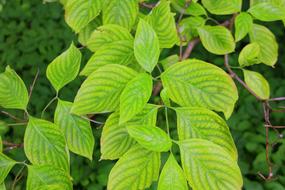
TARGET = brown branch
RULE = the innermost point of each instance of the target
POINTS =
(148, 5)
(11, 146)
(277, 99)
(33, 83)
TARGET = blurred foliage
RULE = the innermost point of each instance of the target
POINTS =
(32, 34)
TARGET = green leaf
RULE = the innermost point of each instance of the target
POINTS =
(115, 140)
(13, 92)
(146, 46)
(50, 146)
(151, 138)
(197, 83)
(1, 144)
(168, 61)
(165, 98)
(118, 52)
(162, 20)
(137, 169)
(194, 122)
(107, 34)
(243, 25)
(48, 178)
(208, 166)
(135, 96)
(64, 68)
(249, 55)
(6, 164)
(217, 39)
(2, 186)
(194, 9)
(267, 42)
(172, 176)
(222, 7)
(188, 28)
(78, 13)
(77, 131)
(267, 11)
(120, 12)
(85, 33)
(101, 91)
(257, 83)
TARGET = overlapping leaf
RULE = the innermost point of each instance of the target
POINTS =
(6, 164)
(78, 13)
(101, 91)
(197, 83)
(86, 32)
(107, 34)
(118, 52)
(135, 96)
(243, 25)
(163, 22)
(48, 178)
(150, 137)
(208, 166)
(172, 176)
(267, 42)
(188, 27)
(257, 83)
(64, 68)
(50, 146)
(115, 140)
(249, 55)
(77, 131)
(194, 8)
(267, 11)
(13, 92)
(146, 47)
(137, 169)
(217, 39)
(222, 7)
(194, 122)
(120, 12)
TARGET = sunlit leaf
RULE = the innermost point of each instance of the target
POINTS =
(146, 46)
(222, 7)
(85, 33)
(77, 131)
(208, 166)
(267, 11)
(64, 68)
(194, 8)
(135, 96)
(243, 25)
(101, 91)
(217, 39)
(200, 84)
(137, 169)
(257, 83)
(249, 55)
(44, 144)
(13, 92)
(6, 164)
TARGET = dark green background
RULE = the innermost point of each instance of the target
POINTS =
(32, 34)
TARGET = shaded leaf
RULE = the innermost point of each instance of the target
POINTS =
(85, 33)
(6, 164)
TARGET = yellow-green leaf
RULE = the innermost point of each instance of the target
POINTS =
(257, 83)
(249, 55)
(13, 92)
(194, 122)
(85, 33)
(217, 39)
(194, 8)
(267, 11)
(78, 13)
(115, 140)
(267, 42)
(77, 131)
(243, 25)
(222, 7)
(208, 166)
(1, 144)
(137, 169)
(135, 96)
(172, 176)
(146, 47)
(6, 164)
(197, 83)
(118, 52)
(101, 91)
(162, 20)
(107, 34)
(120, 12)
(48, 178)
(44, 144)
(64, 68)
(150, 137)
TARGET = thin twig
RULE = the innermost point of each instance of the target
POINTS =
(92, 121)
(33, 83)
(277, 99)
(148, 5)
(12, 116)
(51, 101)
(19, 175)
